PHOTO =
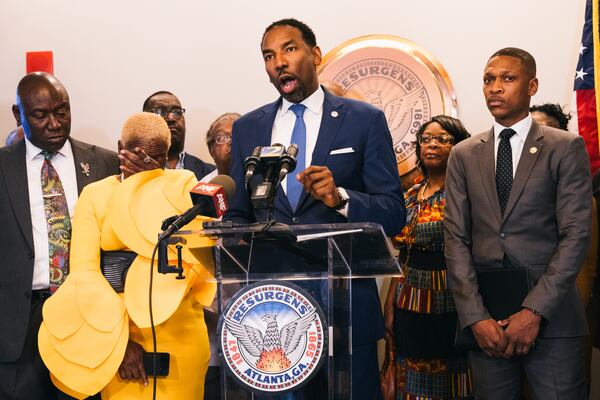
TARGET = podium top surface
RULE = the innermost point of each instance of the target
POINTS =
(300, 252)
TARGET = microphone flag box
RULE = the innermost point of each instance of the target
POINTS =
(213, 193)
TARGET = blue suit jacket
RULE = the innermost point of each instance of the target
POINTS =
(369, 174)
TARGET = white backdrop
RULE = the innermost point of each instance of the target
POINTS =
(111, 54)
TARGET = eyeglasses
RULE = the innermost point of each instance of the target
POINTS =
(223, 138)
(174, 112)
(441, 139)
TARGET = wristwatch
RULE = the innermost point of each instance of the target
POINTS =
(343, 199)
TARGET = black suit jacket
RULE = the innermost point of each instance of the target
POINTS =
(16, 235)
(197, 166)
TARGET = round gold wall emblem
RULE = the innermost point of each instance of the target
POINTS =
(397, 76)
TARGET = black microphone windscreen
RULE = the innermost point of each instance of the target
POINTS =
(227, 183)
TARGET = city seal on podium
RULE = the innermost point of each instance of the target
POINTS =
(272, 337)
(397, 76)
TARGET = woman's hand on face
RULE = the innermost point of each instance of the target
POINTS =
(132, 366)
(136, 161)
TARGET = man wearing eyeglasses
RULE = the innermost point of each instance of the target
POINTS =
(218, 140)
(167, 105)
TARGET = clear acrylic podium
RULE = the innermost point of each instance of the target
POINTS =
(323, 260)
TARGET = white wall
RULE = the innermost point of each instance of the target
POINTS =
(111, 54)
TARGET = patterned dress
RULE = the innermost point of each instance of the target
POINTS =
(427, 363)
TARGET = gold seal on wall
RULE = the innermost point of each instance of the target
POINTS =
(397, 76)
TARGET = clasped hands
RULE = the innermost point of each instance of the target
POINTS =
(507, 338)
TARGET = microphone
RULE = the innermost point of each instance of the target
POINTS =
(212, 196)
(251, 163)
(287, 162)
(210, 199)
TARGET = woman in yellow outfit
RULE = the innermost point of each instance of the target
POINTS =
(92, 337)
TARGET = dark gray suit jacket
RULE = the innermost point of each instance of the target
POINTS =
(546, 226)
(197, 166)
(16, 236)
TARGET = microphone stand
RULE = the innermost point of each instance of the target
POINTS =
(263, 196)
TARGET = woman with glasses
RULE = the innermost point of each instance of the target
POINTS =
(421, 359)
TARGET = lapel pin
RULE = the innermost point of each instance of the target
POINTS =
(334, 114)
(533, 150)
(85, 168)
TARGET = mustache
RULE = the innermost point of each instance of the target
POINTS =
(494, 98)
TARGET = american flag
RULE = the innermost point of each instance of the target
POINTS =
(586, 105)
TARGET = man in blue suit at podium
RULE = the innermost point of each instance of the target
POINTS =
(346, 170)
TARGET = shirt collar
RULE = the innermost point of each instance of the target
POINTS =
(314, 102)
(180, 161)
(521, 128)
(32, 151)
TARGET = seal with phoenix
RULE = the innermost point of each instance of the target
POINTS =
(398, 77)
(272, 337)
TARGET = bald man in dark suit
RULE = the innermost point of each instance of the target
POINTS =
(43, 108)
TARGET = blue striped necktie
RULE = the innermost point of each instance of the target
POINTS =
(294, 188)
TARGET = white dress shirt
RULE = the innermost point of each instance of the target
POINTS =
(209, 177)
(64, 164)
(516, 141)
(286, 119)
(180, 161)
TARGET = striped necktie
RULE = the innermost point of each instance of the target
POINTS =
(294, 188)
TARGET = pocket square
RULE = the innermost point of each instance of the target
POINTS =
(342, 151)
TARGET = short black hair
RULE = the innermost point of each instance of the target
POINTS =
(451, 125)
(554, 111)
(526, 58)
(307, 34)
(146, 105)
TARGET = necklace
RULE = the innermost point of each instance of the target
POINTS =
(422, 194)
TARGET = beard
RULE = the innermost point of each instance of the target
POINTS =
(297, 96)
(176, 145)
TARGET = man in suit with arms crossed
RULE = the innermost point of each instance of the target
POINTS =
(519, 195)
(357, 183)
(43, 109)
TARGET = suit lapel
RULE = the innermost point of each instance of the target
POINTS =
(264, 125)
(15, 174)
(86, 170)
(487, 167)
(526, 163)
(331, 121)
(264, 132)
